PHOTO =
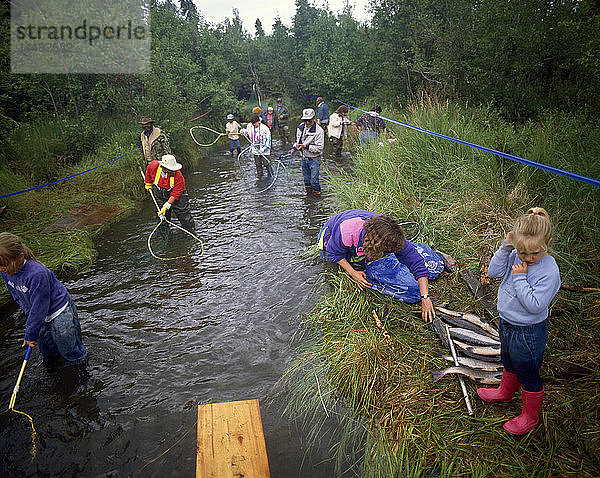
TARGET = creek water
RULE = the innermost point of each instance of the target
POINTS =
(164, 337)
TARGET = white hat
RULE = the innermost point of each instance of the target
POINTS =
(230, 116)
(168, 161)
(308, 113)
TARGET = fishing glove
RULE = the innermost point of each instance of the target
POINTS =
(148, 186)
(163, 210)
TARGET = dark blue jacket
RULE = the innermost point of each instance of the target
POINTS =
(323, 113)
(38, 292)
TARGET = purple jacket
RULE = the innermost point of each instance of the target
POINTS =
(38, 292)
(345, 236)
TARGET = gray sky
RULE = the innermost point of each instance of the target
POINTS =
(216, 11)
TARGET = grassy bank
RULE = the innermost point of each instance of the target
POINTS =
(396, 421)
(36, 159)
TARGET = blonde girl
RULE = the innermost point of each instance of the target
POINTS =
(530, 280)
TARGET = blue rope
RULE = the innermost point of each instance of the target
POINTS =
(550, 169)
(64, 179)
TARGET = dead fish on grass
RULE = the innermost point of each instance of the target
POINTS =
(472, 319)
(465, 324)
(473, 338)
(488, 354)
(479, 376)
(479, 349)
(438, 327)
(475, 363)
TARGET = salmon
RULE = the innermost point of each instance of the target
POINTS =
(473, 338)
(473, 319)
(479, 376)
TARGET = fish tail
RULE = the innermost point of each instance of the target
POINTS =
(437, 373)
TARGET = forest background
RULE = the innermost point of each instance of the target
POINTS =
(521, 57)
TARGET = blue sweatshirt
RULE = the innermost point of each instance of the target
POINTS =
(345, 236)
(38, 292)
(523, 299)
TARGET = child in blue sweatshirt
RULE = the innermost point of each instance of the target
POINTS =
(52, 321)
(530, 280)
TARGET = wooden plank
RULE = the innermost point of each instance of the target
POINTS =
(231, 442)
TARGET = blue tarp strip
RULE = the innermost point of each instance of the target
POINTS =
(64, 179)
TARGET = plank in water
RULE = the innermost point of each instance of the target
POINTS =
(231, 441)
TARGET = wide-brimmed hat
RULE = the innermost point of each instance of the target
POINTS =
(308, 114)
(230, 116)
(168, 161)
(257, 110)
(147, 120)
(270, 108)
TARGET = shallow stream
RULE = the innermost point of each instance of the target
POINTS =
(164, 337)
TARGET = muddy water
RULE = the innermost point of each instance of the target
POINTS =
(164, 337)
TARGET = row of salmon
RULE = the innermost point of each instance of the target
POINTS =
(477, 344)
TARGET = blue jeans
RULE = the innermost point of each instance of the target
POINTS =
(234, 144)
(310, 171)
(62, 337)
(366, 137)
(522, 352)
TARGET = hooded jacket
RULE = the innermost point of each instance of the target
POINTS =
(313, 138)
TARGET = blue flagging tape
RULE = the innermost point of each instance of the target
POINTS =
(550, 169)
(70, 177)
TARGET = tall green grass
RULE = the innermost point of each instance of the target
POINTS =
(116, 184)
(465, 201)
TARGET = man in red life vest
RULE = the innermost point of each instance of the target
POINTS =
(165, 181)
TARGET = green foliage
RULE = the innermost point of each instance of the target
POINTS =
(37, 149)
(523, 56)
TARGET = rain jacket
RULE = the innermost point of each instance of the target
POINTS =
(337, 126)
(174, 183)
(155, 145)
(282, 111)
(313, 138)
(260, 138)
(39, 293)
(323, 113)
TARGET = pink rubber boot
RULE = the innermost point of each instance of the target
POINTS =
(504, 393)
(530, 417)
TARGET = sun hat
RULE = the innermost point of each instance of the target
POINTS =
(257, 110)
(168, 161)
(308, 114)
(279, 100)
(270, 108)
(147, 120)
(230, 116)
